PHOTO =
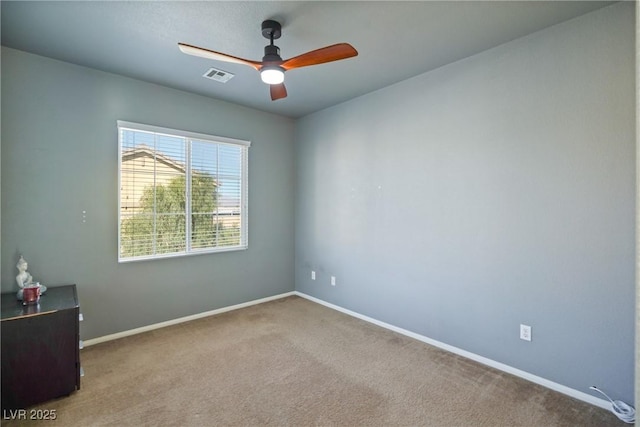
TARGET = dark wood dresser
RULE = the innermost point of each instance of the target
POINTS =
(40, 347)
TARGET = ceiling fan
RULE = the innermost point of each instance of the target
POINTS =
(272, 67)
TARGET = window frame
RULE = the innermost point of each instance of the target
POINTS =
(189, 137)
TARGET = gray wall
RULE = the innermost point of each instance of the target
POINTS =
(60, 157)
(494, 191)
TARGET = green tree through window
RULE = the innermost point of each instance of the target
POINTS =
(167, 226)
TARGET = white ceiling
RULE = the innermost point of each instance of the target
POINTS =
(395, 40)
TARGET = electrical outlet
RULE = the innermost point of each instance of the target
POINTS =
(525, 332)
(313, 275)
(333, 280)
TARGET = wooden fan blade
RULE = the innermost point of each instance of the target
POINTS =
(218, 56)
(278, 91)
(320, 56)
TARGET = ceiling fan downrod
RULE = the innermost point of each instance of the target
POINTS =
(271, 30)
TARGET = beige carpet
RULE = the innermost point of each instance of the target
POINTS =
(293, 362)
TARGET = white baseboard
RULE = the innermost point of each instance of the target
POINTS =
(142, 329)
(485, 361)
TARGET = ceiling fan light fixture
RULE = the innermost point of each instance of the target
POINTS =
(272, 74)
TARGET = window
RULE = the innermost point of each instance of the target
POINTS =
(180, 193)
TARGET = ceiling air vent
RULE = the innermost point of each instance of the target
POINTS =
(218, 75)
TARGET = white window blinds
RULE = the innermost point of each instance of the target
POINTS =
(180, 192)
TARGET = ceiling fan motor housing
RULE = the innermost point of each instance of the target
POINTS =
(271, 54)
